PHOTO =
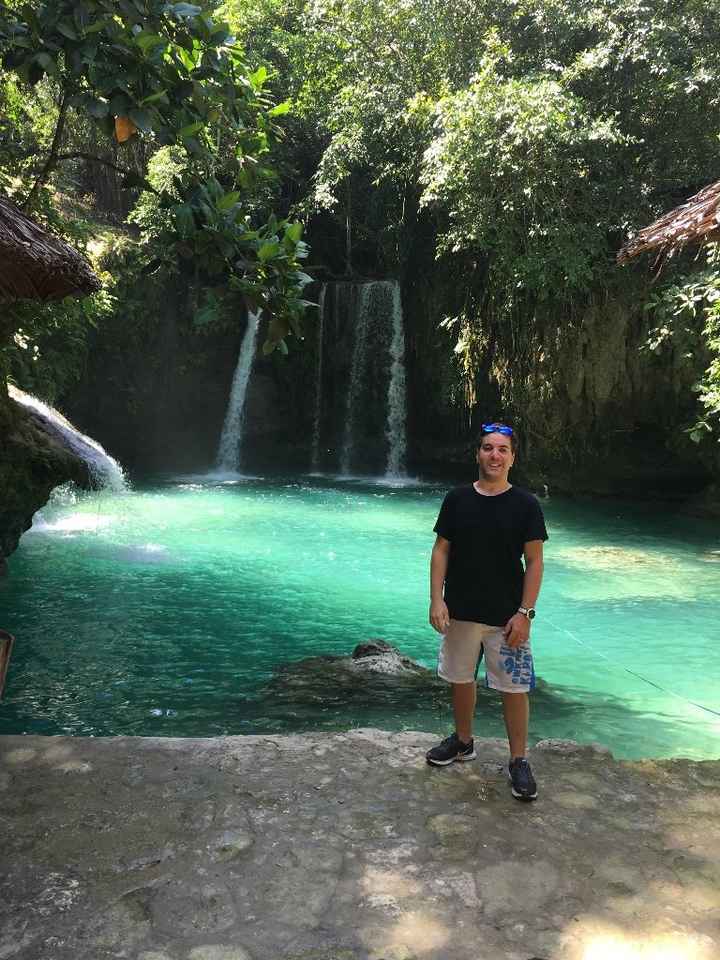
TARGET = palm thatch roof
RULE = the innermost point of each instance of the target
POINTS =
(696, 221)
(35, 265)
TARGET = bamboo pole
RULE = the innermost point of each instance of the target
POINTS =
(7, 642)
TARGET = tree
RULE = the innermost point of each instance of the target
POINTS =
(172, 74)
(533, 136)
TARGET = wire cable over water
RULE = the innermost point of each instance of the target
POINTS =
(634, 673)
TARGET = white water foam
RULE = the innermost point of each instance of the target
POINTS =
(214, 478)
(370, 479)
(104, 470)
(75, 523)
(229, 448)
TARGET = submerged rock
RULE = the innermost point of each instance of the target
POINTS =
(372, 648)
(330, 691)
(378, 656)
(372, 670)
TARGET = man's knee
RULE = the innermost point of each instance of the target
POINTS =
(513, 697)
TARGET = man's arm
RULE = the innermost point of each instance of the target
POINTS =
(517, 629)
(533, 554)
(439, 616)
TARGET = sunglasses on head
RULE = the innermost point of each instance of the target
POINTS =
(497, 428)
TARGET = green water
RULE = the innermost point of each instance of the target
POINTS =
(168, 610)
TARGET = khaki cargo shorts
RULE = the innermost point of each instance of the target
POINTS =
(507, 669)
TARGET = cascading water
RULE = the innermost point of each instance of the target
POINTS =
(378, 323)
(357, 370)
(397, 393)
(318, 380)
(104, 471)
(228, 455)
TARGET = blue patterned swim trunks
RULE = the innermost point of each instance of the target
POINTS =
(507, 669)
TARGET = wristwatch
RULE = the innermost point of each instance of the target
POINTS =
(528, 612)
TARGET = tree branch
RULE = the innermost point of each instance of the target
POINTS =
(107, 163)
(52, 159)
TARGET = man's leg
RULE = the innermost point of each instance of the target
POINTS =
(509, 667)
(458, 746)
(457, 663)
(516, 710)
(464, 696)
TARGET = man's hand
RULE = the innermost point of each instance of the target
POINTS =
(517, 630)
(439, 616)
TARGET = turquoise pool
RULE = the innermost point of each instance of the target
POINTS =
(170, 609)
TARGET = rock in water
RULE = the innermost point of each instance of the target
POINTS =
(375, 673)
(372, 648)
(378, 656)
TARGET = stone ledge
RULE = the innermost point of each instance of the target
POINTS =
(349, 847)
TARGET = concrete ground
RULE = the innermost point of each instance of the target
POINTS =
(349, 847)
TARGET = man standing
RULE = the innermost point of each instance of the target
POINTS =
(482, 599)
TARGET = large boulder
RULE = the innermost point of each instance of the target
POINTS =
(375, 673)
(378, 656)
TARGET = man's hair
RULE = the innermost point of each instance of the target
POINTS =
(484, 431)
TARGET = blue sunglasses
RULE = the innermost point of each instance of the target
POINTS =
(497, 428)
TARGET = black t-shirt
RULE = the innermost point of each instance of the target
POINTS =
(487, 534)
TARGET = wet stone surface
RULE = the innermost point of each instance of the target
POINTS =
(349, 847)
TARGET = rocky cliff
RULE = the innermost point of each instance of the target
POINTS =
(33, 460)
(599, 412)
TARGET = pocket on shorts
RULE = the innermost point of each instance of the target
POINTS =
(510, 668)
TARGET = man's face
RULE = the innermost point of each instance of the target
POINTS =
(495, 456)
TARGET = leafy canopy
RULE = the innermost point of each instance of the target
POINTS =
(172, 74)
(529, 138)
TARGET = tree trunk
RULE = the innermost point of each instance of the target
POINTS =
(52, 159)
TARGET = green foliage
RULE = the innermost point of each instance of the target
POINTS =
(171, 74)
(519, 166)
(687, 313)
(208, 228)
(389, 93)
(532, 136)
(169, 67)
(525, 139)
(49, 349)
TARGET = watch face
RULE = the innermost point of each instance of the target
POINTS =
(531, 613)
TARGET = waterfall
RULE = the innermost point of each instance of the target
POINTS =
(104, 471)
(228, 455)
(318, 380)
(378, 358)
(395, 430)
(357, 370)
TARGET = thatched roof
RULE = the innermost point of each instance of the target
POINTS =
(693, 222)
(35, 265)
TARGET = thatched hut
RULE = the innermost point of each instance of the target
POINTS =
(34, 265)
(696, 221)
